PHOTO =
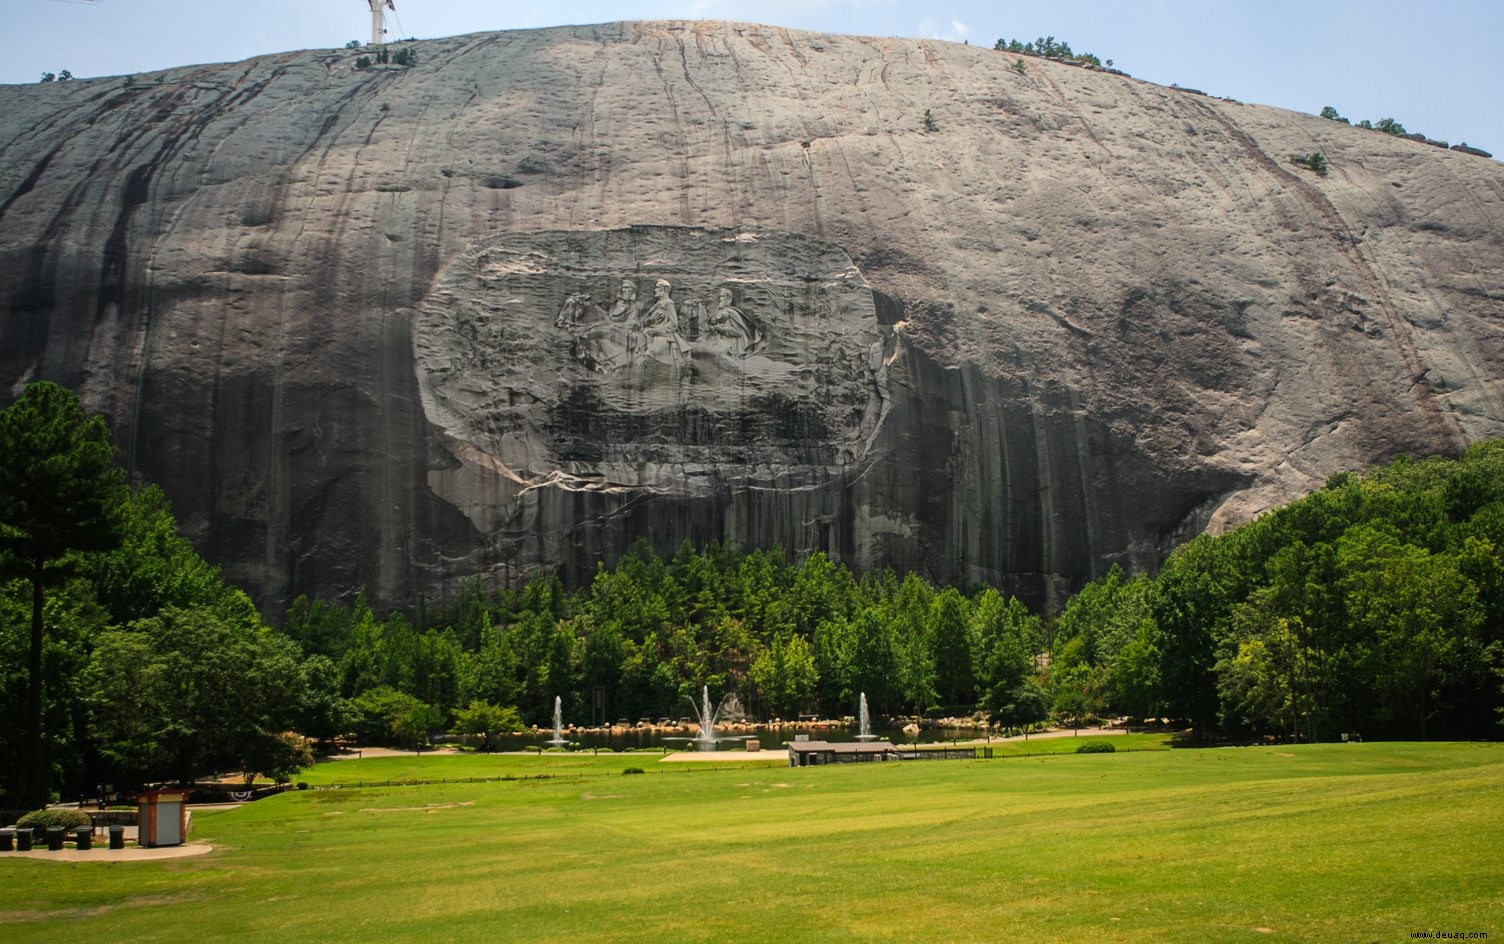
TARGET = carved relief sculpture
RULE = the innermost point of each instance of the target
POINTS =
(729, 331)
(779, 384)
(660, 328)
(604, 341)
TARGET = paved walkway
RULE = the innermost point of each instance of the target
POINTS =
(361, 753)
(734, 757)
(1046, 735)
(771, 752)
(780, 753)
(102, 853)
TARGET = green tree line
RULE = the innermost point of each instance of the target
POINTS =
(643, 636)
(1050, 48)
(1374, 606)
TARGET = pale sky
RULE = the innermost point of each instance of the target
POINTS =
(1430, 64)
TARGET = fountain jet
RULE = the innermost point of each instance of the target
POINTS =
(864, 722)
(730, 707)
(558, 739)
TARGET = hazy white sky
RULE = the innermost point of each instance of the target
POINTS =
(1431, 64)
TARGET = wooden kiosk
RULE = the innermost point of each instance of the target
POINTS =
(164, 817)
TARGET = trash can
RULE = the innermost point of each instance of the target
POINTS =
(55, 837)
(7, 839)
(117, 837)
(23, 839)
(83, 838)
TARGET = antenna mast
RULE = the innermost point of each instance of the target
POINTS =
(378, 19)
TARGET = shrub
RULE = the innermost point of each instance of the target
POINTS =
(929, 121)
(1096, 747)
(633, 770)
(42, 819)
(302, 784)
(1018, 66)
(363, 63)
(1315, 161)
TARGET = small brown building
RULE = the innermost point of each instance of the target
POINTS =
(164, 817)
(813, 753)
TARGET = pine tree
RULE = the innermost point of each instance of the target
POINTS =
(60, 493)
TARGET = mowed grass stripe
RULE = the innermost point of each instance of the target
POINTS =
(1327, 842)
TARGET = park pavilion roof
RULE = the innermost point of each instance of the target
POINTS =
(841, 747)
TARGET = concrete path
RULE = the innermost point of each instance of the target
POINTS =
(1044, 735)
(735, 757)
(102, 853)
(361, 753)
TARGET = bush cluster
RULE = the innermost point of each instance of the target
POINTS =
(403, 57)
(1315, 161)
(46, 819)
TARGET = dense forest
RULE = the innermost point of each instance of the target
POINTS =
(1373, 607)
(648, 633)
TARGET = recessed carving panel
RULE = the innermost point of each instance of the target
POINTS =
(653, 358)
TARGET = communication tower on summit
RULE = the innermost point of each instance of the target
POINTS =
(378, 19)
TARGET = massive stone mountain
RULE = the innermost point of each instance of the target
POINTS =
(544, 293)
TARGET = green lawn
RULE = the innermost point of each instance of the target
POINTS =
(1355, 842)
(434, 766)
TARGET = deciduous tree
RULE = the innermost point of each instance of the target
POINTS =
(189, 692)
(486, 721)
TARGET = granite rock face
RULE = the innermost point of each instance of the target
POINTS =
(548, 292)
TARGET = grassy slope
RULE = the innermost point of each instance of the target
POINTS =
(1333, 842)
